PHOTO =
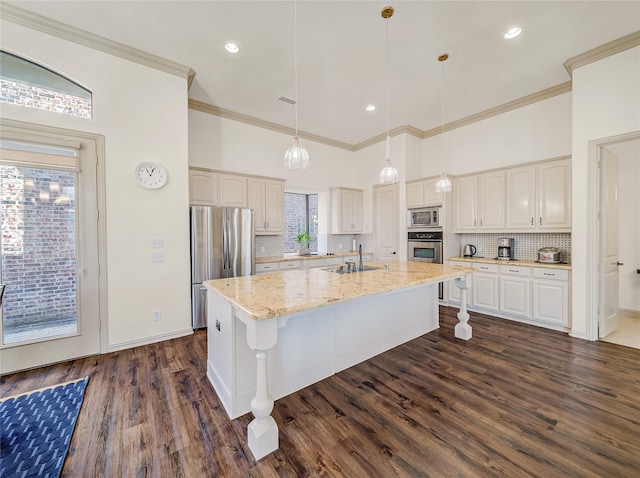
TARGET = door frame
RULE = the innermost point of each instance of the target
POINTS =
(594, 241)
(98, 142)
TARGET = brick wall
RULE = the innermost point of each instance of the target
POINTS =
(43, 99)
(38, 245)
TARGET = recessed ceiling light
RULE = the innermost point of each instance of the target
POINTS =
(512, 33)
(231, 47)
(370, 107)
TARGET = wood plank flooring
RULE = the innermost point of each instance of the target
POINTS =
(514, 401)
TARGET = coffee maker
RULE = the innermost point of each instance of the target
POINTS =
(505, 249)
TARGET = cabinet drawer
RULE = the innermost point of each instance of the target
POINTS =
(334, 261)
(310, 263)
(289, 265)
(486, 268)
(551, 274)
(515, 270)
(266, 267)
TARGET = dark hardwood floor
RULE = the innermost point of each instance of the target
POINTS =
(514, 401)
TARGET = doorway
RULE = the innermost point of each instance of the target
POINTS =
(51, 182)
(619, 275)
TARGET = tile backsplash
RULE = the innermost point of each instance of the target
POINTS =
(525, 245)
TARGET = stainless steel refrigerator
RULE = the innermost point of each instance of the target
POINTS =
(222, 245)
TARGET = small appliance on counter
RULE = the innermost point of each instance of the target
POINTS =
(469, 250)
(505, 249)
(549, 255)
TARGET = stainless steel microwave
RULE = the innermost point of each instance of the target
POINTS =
(424, 217)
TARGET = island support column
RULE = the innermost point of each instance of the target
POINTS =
(462, 329)
(262, 432)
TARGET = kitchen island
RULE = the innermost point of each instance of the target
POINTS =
(313, 323)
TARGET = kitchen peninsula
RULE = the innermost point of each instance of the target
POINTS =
(313, 323)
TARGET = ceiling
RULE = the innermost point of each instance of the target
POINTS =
(341, 53)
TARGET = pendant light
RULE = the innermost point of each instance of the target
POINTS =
(389, 174)
(443, 185)
(296, 156)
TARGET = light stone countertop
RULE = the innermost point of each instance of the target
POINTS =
(487, 260)
(296, 257)
(278, 294)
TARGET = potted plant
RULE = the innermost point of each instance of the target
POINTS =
(303, 240)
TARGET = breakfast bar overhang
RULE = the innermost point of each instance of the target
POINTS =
(312, 323)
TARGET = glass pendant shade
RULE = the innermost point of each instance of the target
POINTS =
(296, 156)
(389, 174)
(443, 185)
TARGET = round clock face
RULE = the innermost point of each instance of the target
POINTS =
(151, 175)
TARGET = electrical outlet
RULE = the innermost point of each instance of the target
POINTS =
(157, 257)
(339, 245)
(157, 315)
(157, 243)
(263, 249)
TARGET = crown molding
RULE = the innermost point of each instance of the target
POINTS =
(37, 22)
(616, 46)
(253, 121)
(500, 109)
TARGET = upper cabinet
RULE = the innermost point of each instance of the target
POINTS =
(203, 188)
(346, 210)
(423, 193)
(480, 202)
(233, 190)
(266, 198)
(539, 197)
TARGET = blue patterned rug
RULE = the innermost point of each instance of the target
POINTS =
(36, 429)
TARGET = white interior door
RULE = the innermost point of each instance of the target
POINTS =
(49, 257)
(385, 205)
(609, 258)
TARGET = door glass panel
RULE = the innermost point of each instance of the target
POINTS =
(38, 253)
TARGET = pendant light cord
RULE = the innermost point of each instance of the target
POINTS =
(387, 66)
(443, 94)
(295, 56)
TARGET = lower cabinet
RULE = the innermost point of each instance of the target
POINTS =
(551, 296)
(535, 295)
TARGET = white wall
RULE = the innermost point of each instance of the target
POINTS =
(531, 133)
(629, 231)
(142, 113)
(606, 103)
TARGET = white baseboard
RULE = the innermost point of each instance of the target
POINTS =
(149, 340)
(634, 314)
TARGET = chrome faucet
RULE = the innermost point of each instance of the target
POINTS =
(360, 266)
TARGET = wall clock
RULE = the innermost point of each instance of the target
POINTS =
(151, 175)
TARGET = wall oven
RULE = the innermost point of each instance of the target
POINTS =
(423, 218)
(426, 246)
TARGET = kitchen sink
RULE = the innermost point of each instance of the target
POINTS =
(343, 270)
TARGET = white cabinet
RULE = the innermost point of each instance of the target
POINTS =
(203, 188)
(550, 293)
(485, 287)
(423, 193)
(313, 263)
(266, 198)
(233, 190)
(346, 210)
(289, 265)
(480, 202)
(539, 197)
(515, 284)
(264, 267)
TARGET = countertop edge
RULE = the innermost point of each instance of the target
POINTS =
(486, 260)
(292, 257)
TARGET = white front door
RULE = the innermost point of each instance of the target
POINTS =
(609, 259)
(49, 260)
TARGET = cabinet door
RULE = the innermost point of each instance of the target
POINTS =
(203, 188)
(554, 195)
(466, 192)
(357, 213)
(431, 197)
(491, 200)
(256, 195)
(453, 294)
(521, 198)
(514, 295)
(485, 291)
(274, 206)
(551, 301)
(233, 191)
(415, 194)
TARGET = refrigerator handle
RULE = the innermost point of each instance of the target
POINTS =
(225, 242)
